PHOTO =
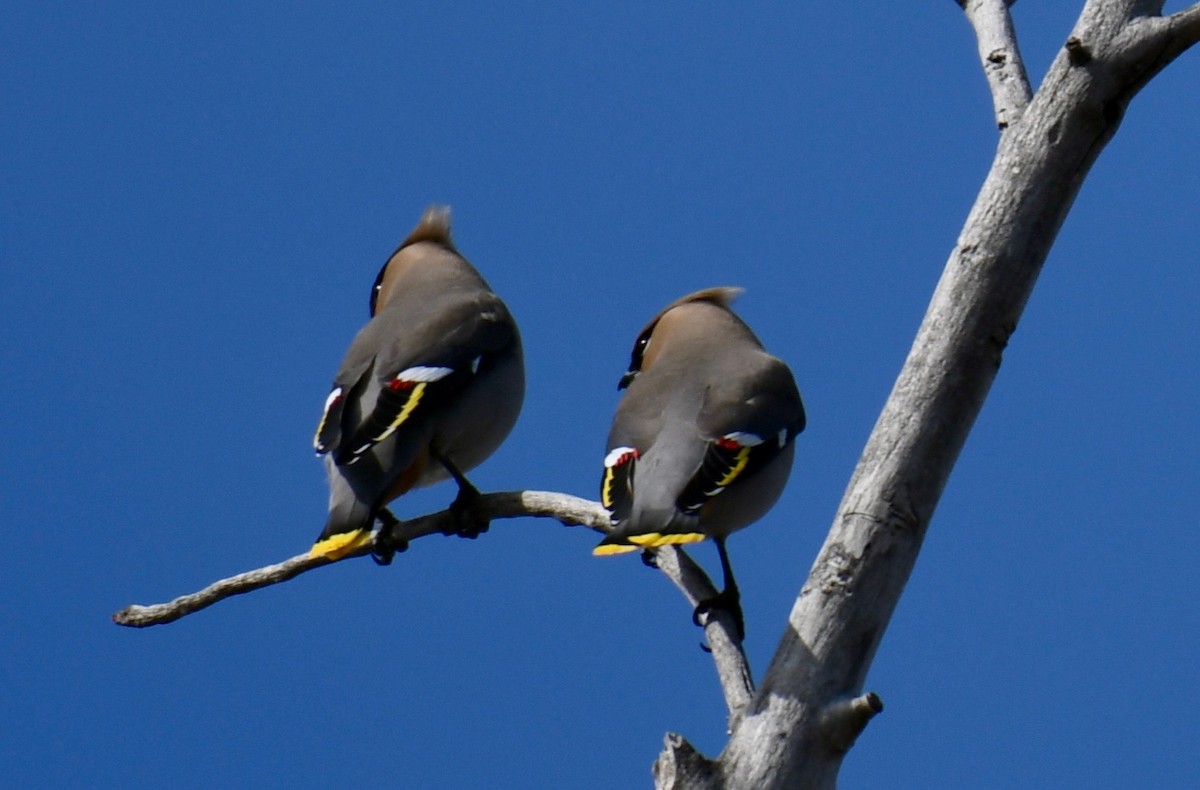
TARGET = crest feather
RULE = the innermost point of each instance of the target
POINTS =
(434, 226)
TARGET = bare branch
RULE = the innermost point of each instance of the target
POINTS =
(139, 616)
(570, 510)
(732, 667)
(1001, 58)
(1186, 24)
(1163, 39)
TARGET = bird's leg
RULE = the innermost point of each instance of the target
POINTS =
(729, 599)
(469, 520)
(387, 542)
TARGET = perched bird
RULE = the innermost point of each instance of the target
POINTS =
(429, 388)
(701, 444)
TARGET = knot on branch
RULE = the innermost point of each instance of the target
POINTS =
(1077, 52)
(837, 568)
(843, 720)
(998, 341)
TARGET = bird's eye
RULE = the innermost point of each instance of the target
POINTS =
(635, 360)
(639, 351)
(377, 287)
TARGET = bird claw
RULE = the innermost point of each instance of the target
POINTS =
(649, 558)
(387, 543)
(468, 519)
(730, 603)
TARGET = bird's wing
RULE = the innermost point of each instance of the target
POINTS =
(401, 368)
(747, 421)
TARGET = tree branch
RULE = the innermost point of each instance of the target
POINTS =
(1001, 58)
(144, 616)
(1161, 39)
(681, 767)
(1186, 24)
(733, 669)
(795, 731)
(570, 510)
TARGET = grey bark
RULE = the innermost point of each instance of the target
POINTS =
(1000, 57)
(809, 708)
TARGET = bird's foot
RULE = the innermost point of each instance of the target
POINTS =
(649, 558)
(727, 601)
(467, 516)
(466, 510)
(388, 542)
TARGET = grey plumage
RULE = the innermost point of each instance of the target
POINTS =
(700, 379)
(701, 443)
(436, 377)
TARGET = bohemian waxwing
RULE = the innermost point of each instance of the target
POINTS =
(429, 388)
(701, 444)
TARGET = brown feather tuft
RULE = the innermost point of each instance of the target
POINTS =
(434, 226)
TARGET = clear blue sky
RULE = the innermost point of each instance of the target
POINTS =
(196, 200)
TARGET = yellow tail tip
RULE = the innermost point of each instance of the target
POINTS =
(647, 540)
(337, 546)
(612, 549)
(655, 539)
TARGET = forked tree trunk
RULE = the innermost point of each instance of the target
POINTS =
(809, 709)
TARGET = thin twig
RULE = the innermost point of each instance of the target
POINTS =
(732, 667)
(570, 510)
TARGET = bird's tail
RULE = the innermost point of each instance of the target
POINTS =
(622, 544)
(350, 523)
(649, 530)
